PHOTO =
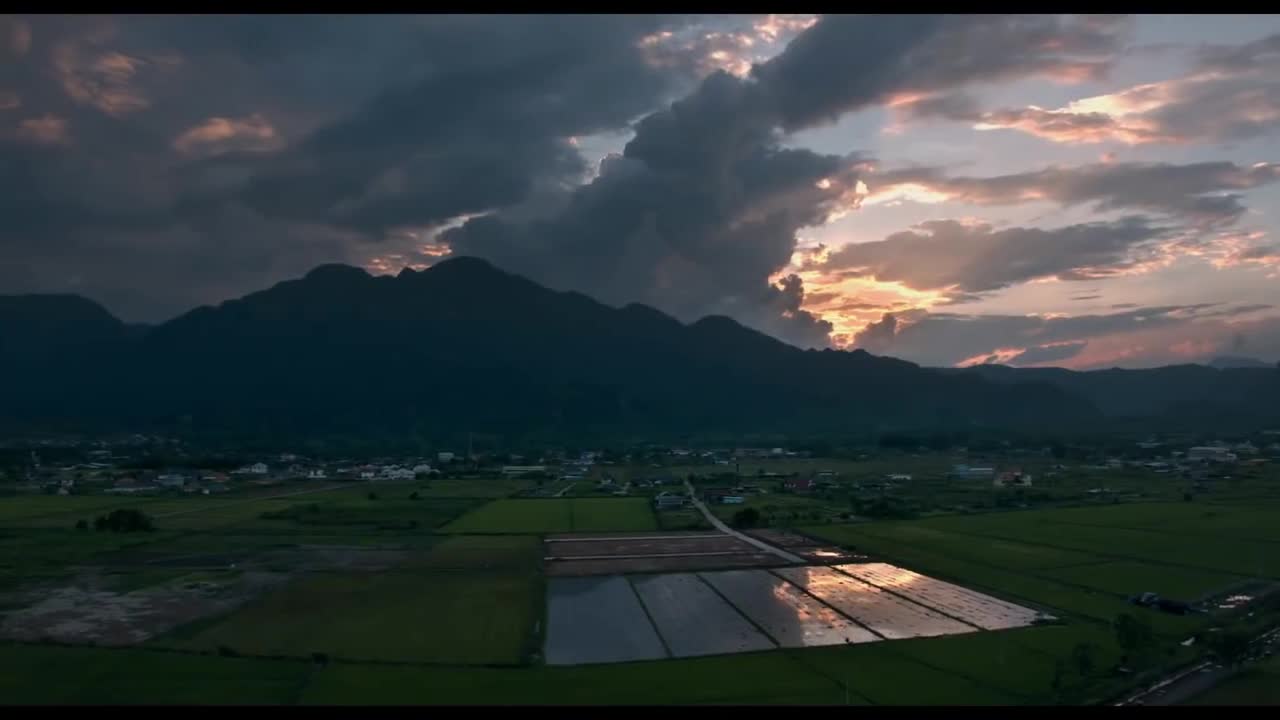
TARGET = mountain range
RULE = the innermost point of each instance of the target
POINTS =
(464, 346)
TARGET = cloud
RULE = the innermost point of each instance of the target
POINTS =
(377, 124)
(703, 207)
(1205, 193)
(974, 258)
(16, 36)
(1138, 337)
(219, 134)
(43, 130)
(1233, 93)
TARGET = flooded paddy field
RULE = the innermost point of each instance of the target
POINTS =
(966, 605)
(598, 620)
(792, 617)
(884, 613)
(694, 620)
(618, 618)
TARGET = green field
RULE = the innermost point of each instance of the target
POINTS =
(408, 616)
(66, 675)
(557, 515)
(457, 618)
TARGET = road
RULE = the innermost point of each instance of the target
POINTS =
(1186, 684)
(718, 524)
(252, 499)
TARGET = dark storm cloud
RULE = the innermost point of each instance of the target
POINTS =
(976, 258)
(161, 161)
(200, 158)
(703, 207)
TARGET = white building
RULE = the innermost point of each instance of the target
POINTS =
(398, 473)
(422, 469)
(444, 457)
(317, 474)
(1210, 453)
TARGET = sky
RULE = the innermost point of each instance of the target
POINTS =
(1079, 191)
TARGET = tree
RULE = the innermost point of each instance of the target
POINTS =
(1132, 635)
(1059, 675)
(1084, 656)
(1230, 648)
(124, 520)
(82, 524)
(746, 518)
(413, 495)
(373, 496)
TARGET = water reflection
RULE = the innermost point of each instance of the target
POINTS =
(884, 613)
(963, 604)
(791, 617)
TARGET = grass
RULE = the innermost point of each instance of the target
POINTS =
(754, 678)
(1126, 577)
(394, 616)
(517, 516)
(33, 674)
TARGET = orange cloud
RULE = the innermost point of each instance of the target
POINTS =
(44, 130)
(220, 134)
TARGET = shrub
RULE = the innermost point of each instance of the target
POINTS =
(746, 518)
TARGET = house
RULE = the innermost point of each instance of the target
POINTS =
(713, 495)
(396, 472)
(214, 477)
(799, 485)
(519, 470)
(316, 474)
(171, 479)
(444, 457)
(965, 472)
(254, 469)
(897, 477)
(732, 500)
(1013, 478)
(367, 475)
(1210, 453)
(423, 469)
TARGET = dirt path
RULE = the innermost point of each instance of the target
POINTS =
(718, 524)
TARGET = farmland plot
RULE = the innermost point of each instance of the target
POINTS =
(694, 620)
(786, 613)
(597, 620)
(971, 607)
(884, 613)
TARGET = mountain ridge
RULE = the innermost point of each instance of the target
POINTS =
(466, 344)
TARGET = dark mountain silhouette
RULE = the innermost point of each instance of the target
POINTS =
(466, 345)
(1183, 396)
(1227, 362)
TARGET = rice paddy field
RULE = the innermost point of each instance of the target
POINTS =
(334, 596)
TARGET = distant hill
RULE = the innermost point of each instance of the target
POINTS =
(1183, 396)
(464, 345)
(1226, 362)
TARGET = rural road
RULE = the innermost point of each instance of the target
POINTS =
(253, 499)
(1188, 683)
(719, 525)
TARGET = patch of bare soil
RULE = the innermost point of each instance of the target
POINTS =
(86, 612)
